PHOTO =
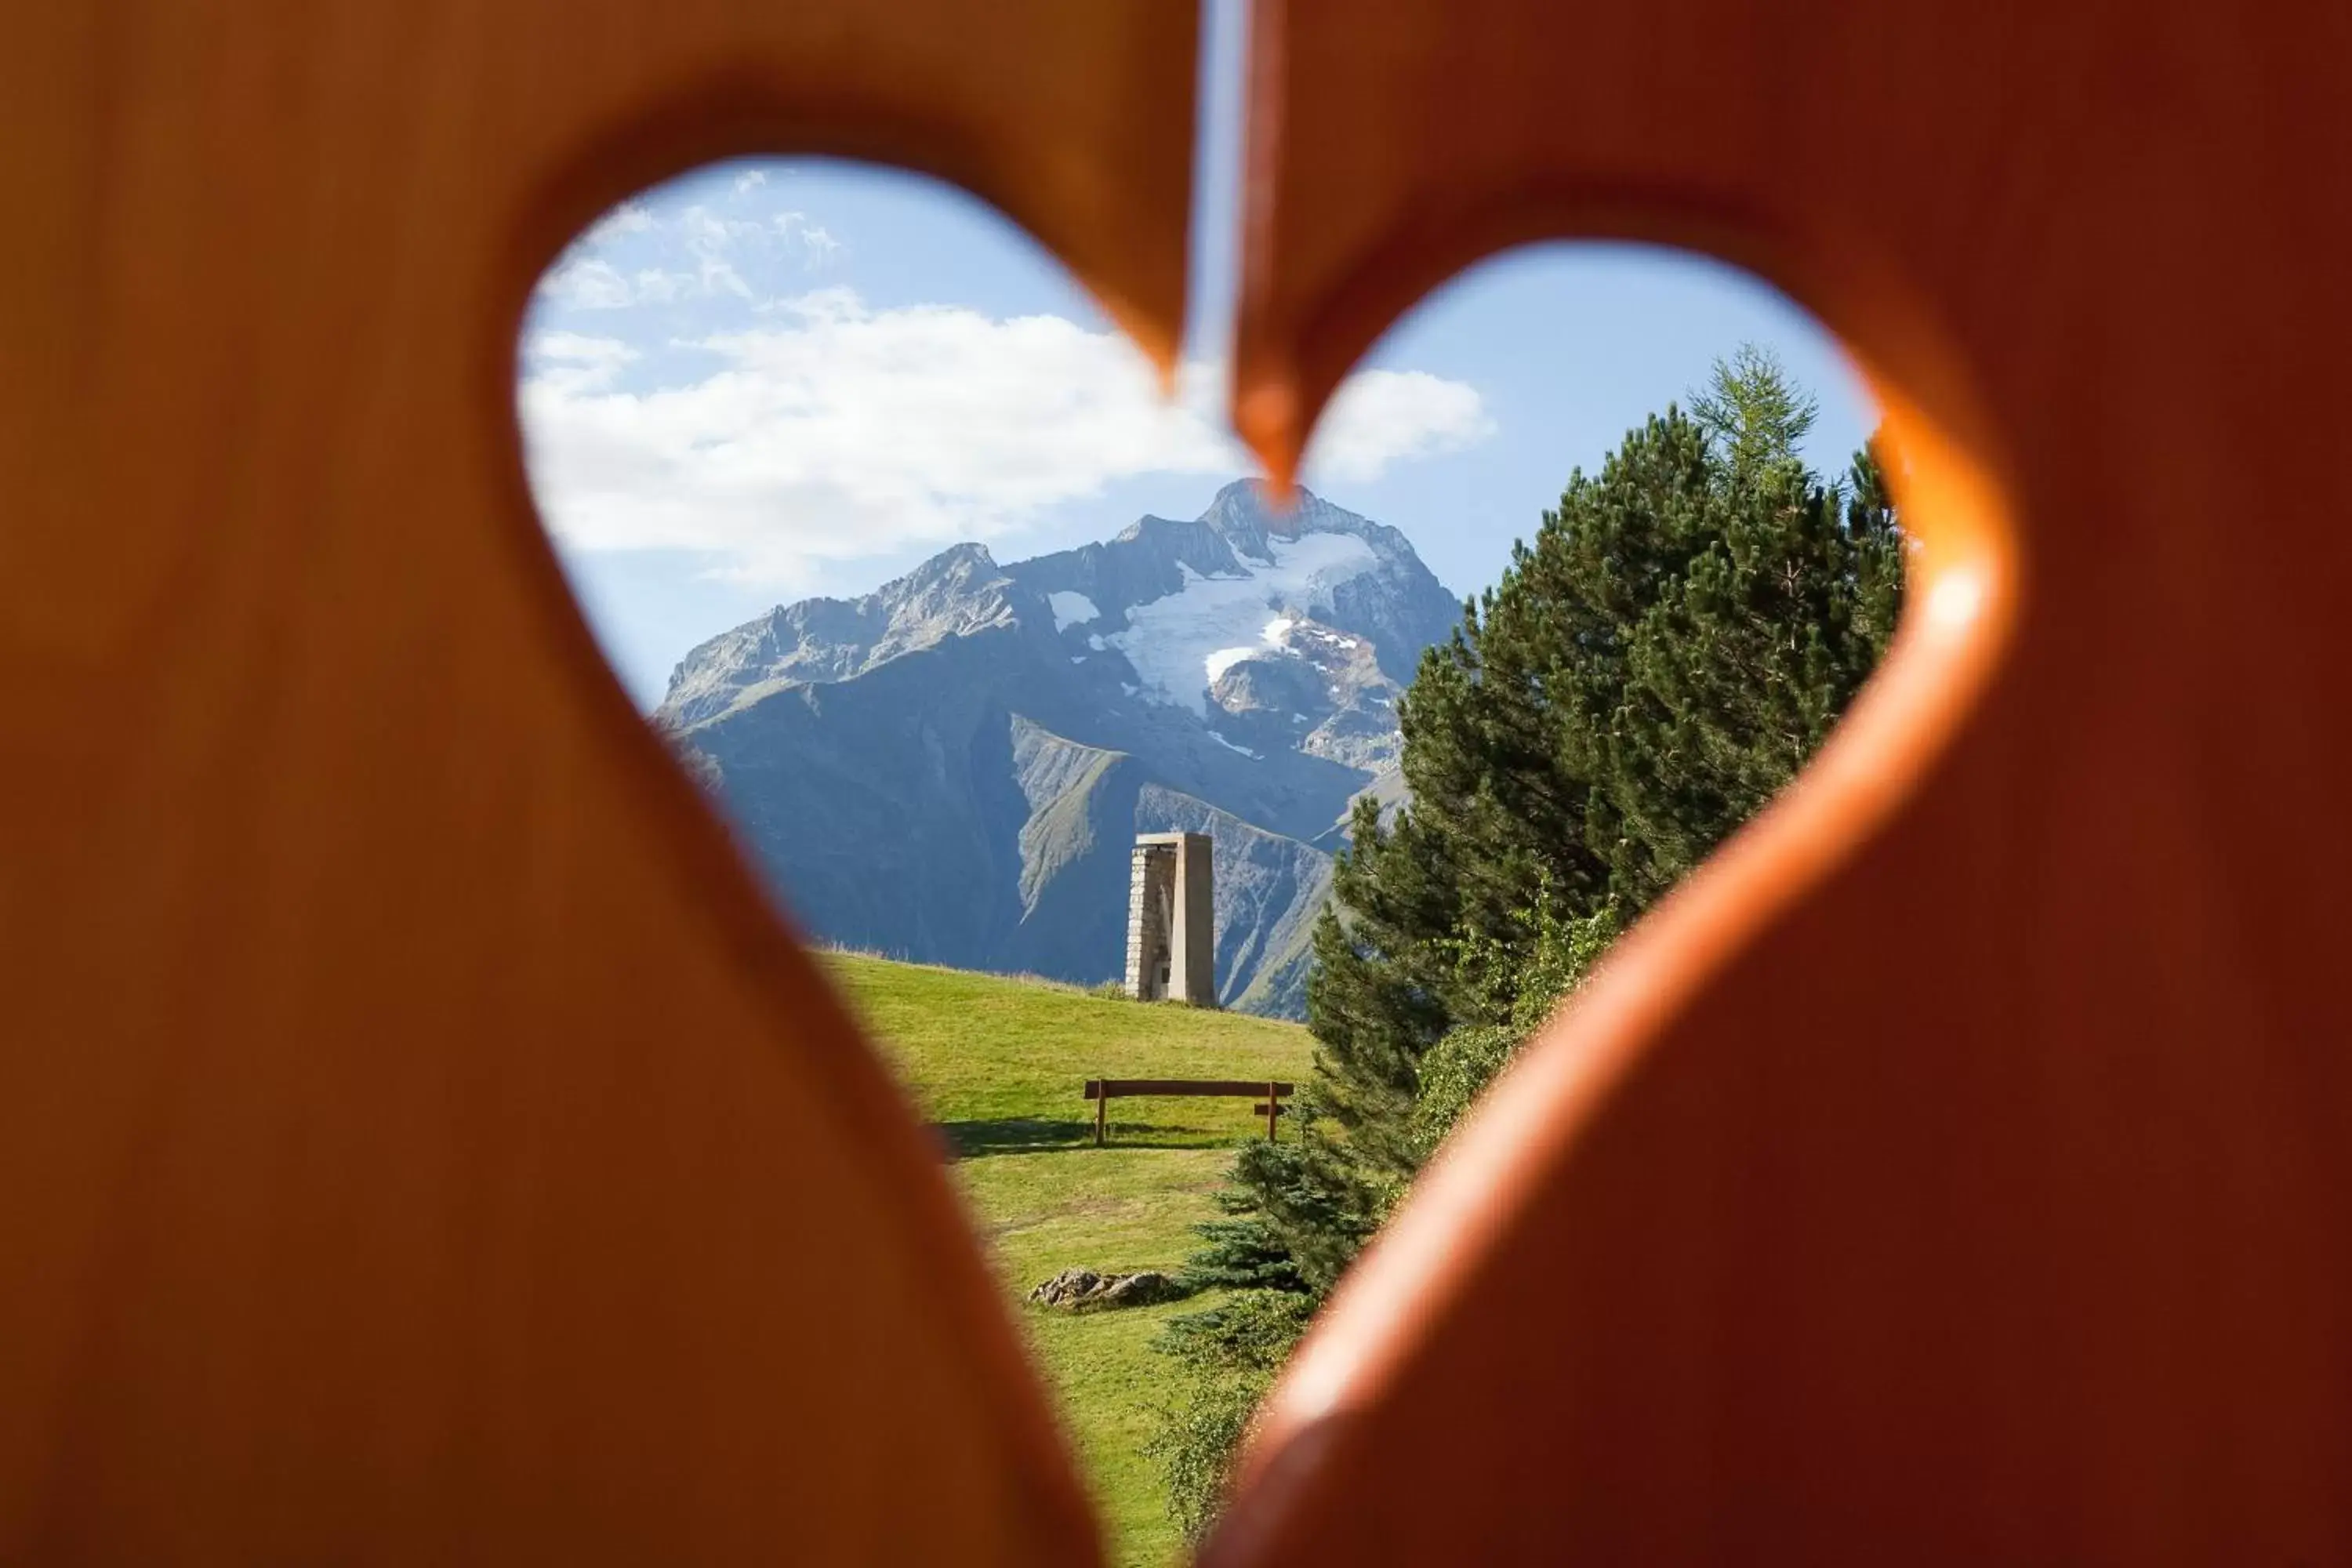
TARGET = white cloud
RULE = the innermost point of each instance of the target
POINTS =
(1383, 416)
(750, 180)
(830, 430)
(695, 253)
(708, 236)
(588, 283)
(653, 286)
(814, 242)
(581, 348)
(573, 363)
(629, 217)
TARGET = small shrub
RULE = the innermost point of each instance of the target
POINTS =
(1196, 1438)
(1454, 1073)
(1228, 1358)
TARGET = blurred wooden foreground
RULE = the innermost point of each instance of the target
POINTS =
(409, 1108)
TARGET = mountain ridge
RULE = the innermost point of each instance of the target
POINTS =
(954, 766)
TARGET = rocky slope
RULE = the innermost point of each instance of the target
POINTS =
(953, 768)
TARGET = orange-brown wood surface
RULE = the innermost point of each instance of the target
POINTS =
(1960, 1169)
(419, 1142)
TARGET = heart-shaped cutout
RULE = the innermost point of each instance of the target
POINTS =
(766, 379)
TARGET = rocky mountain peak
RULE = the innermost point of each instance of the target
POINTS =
(960, 564)
(958, 592)
(1246, 511)
(1237, 669)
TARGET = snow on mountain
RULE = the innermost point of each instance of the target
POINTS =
(1216, 666)
(1180, 643)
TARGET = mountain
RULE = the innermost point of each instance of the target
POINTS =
(953, 768)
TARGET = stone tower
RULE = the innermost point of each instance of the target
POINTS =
(1171, 937)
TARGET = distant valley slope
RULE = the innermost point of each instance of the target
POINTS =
(952, 769)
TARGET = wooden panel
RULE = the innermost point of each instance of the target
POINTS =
(1959, 1169)
(418, 1142)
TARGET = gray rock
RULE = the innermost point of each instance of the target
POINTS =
(1148, 1289)
(1069, 1287)
(1082, 1289)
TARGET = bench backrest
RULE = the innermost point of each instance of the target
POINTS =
(1178, 1088)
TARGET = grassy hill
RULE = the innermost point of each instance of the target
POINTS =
(998, 1064)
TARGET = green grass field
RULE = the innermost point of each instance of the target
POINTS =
(998, 1064)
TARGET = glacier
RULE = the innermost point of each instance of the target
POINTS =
(1174, 641)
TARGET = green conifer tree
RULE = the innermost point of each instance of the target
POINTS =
(1680, 637)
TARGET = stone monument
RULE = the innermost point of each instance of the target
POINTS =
(1172, 936)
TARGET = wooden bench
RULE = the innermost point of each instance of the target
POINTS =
(1103, 1091)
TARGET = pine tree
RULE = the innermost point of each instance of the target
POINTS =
(1681, 635)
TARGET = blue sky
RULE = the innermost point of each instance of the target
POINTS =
(774, 378)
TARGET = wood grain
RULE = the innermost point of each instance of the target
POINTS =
(1958, 1169)
(418, 1139)
(418, 1142)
